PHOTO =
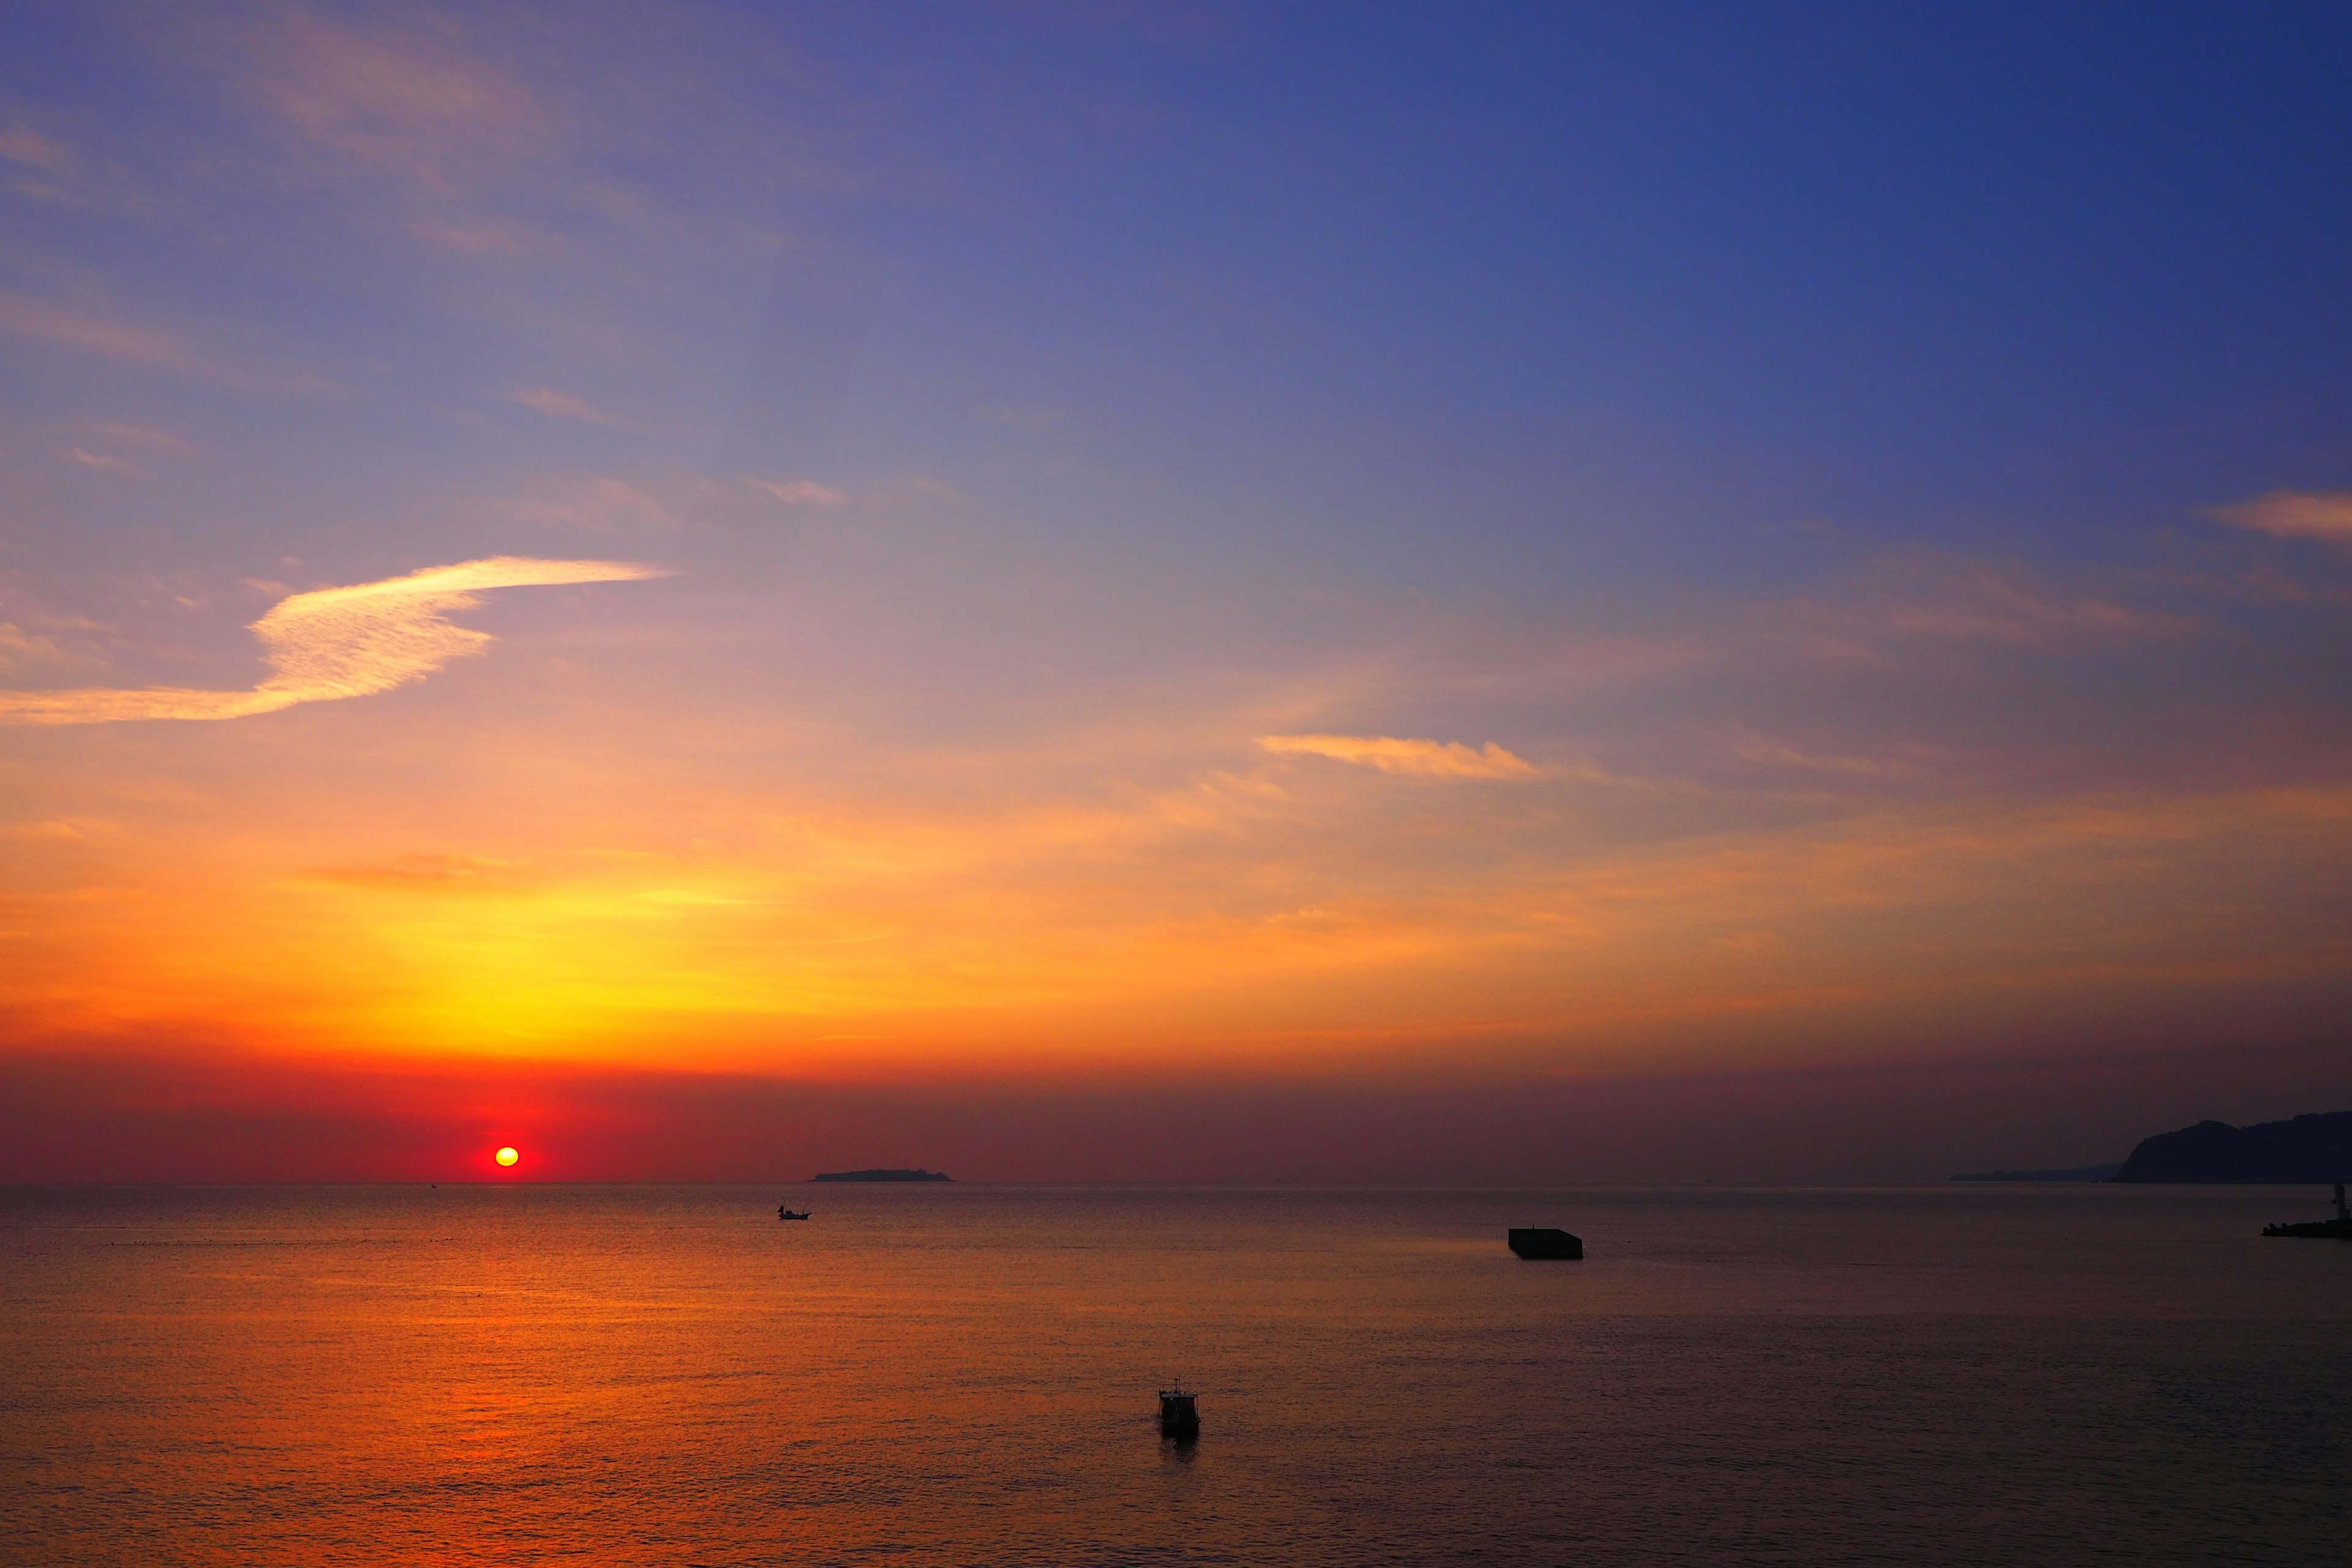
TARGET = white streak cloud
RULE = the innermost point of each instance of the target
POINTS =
(1422, 759)
(334, 643)
(2295, 514)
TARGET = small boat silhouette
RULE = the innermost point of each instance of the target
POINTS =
(787, 1213)
(1179, 1412)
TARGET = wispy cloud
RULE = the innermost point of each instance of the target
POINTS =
(424, 873)
(99, 461)
(138, 437)
(92, 332)
(1923, 605)
(333, 643)
(413, 105)
(2295, 514)
(1772, 753)
(468, 154)
(1424, 759)
(19, 144)
(22, 649)
(66, 327)
(554, 404)
(148, 438)
(799, 492)
(596, 502)
(1992, 609)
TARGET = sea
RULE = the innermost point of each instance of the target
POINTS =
(530, 1374)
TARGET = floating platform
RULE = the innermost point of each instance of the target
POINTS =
(1536, 1241)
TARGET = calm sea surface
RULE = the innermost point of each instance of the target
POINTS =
(965, 1375)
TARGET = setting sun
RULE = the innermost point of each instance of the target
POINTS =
(507, 1156)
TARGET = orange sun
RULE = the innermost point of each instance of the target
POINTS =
(507, 1156)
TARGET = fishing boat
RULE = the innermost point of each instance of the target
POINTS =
(1179, 1412)
(786, 1212)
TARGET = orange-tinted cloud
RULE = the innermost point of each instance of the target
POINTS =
(1422, 759)
(21, 144)
(2295, 514)
(333, 643)
(552, 404)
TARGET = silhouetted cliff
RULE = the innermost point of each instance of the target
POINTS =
(2315, 1148)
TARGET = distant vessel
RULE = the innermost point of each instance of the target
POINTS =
(1179, 1412)
(1542, 1241)
(881, 1176)
(786, 1212)
(2337, 1229)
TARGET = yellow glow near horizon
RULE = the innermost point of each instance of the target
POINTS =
(507, 1156)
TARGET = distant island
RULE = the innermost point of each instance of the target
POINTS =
(2313, 1148)
(881, 1176)
(2071, 1173)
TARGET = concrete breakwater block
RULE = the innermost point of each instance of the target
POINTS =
(1545, 1242)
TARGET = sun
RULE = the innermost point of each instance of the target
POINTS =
(507, 1156)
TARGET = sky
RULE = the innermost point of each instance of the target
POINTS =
(1182, 593)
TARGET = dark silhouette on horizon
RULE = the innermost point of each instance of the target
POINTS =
(2310, 1148)
(2337, 1229)
(881, 1176)
(2106, 1173)
(1545, 1241)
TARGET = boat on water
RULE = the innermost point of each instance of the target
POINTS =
(1180, 1412)
(787, 1211)
(1544, 1241)
(2337, 1229)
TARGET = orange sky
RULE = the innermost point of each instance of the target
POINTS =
(537, 856)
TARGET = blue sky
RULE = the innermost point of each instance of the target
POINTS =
(1614, 292)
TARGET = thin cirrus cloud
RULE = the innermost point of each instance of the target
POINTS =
(66, 326)
(103, 461)
(19, 144)
(549, 403)
(596, 503)
(413, 105)
(1391, 754)
(798, 492)
(2295, 514)
(333, 643)
(92, 332)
